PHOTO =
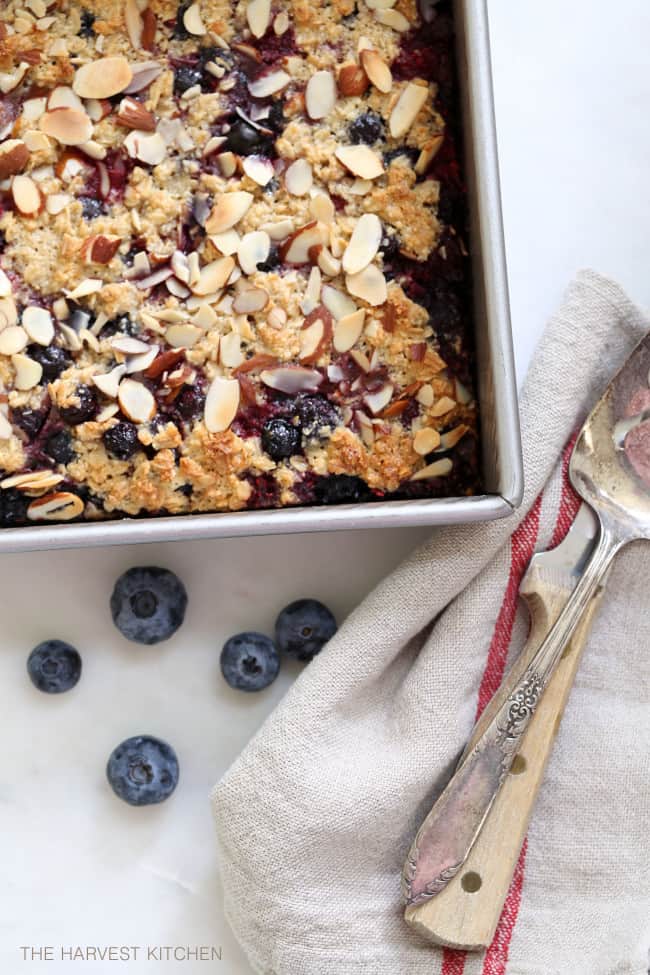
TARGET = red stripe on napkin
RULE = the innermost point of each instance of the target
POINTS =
(496, 957)
(570, 501)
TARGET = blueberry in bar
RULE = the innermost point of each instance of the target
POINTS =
(233, 261)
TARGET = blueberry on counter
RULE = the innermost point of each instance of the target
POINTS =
(54, 666)
(148, 604)
(249, 661)
(143, 770)
(303, 628)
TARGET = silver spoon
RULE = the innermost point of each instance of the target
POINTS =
(610, 469)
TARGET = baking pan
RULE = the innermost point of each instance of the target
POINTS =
(497, 389)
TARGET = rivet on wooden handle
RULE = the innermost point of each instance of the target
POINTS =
(466, 913)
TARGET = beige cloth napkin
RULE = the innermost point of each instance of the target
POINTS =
(315, 818)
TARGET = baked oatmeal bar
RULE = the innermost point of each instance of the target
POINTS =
(233, 269)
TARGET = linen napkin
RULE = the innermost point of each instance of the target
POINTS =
(316, 816)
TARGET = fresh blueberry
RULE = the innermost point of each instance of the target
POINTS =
(84, 409)
(280, 439)
(28, 420)
(249, 661)
(148, 604)
(143, 770)
(190, 403)
(123, 324)
(87, 21)
(341, 489)
(303, 628)
(91, 207)
(54, 666)
(13, 508)
(317, 416)
(121, 440)
(185, 77)
(52, 359)
(245, 139)
(367, 128)
(59, 447)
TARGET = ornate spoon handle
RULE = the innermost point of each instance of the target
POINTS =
(449, 832)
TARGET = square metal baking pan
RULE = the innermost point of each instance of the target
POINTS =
(497, 389)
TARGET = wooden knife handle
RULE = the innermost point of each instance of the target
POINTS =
(466, 913)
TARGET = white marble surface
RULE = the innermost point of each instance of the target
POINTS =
(80, 868)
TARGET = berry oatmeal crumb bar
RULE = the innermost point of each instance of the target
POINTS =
(232, 262)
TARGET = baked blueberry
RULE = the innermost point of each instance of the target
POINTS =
(59, 447)
(249, 661)
(52, 359)
(143, 770)
(280, 439)
(317, 416)
(121, 440)
(186, 76)
(367, 128)
(303, 628)
(148, 604)
(180, 31)
(84, 409)
(341, 489)
(91, 207)
(13, 508)
(30, 421)
(190, 403)
(123, 324)
(54, 666)
(245, 139)
(273, 260)
(87, 21)
(410, 155)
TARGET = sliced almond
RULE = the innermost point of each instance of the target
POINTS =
(183, 335)
(299, 178)
(143, 75)
(296, 249)
(253, 249)
(205, 316)
(100, 249)
(221, 404)
(69, 126)
(361, 359)
(281, 23)
(180, 266)
(151, 280)
(136, 402)
(109, 411)
(109, 382)
(14, 156)
(6, 430)
(214, 276)
(258, 15)
(328, 264)
(12, 340)
(64, 97)
(33, 108)
(452, 437)
(89, 286)
(428, 153)
(444, 405)
(227, 163)
(425, 395)
(95, 150)
(320, 94)
(380, 399)
(192, 21)
(5, 285)
(311, 299)
(280, 230)
(407, 108)
(62, 506)
(56, 203)
(11, 79)
(377, 70)
(227, 242)
(134, 23)
(8, 312)
(347, 330)
(37, 322)
(352, 81)
(369, 284)
(337, 303)
(102, 78)
(425, 441)
(28, 372)
(251, 301)
(148, 147)
(128, 345)
(322, 208)
(439, 468)
(35, 141)
(292, 379)
(230, 353)
(360, 160)
(98, 109)
(315, 335)
(364, 243)
(228, 211)
(394, 19)
(259, 169)
(382, 4)
(133, 115)
(269, 84)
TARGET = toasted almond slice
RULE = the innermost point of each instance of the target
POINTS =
(143, 75)
(281, 23)
(12, 340)
(381, 4)
(14, 156)
(361, 359)
(364, 243)
(394, 19)
(110, 410)
(205, 317)
(134, 23)
(221, 404)
(452, 437)
(69, 126)
(338, 304)
(379, 400)
(100, 249)
(27, 196)
(128, 345)
(360, 160)
(227, 163)
(36, 141)
(253, 249)
(292, 379)
(183, 335)
(151, 280)
(258, 15)
(352, 81)
(37, 322)
(250, 301)
(96, 151)
(6, 430)
(429, 151)
(108, 383)
(377, 70)
(299, 178)
(11, 79)
(312, 294)
(8, 312)
(425, 441)
(407, 108)
(322, 208)
(136, 402)
(328, 264)
(296, 249)
(444, 405)
(148, 147)
(64, 97)
(192, 21)
(102, 78)
(439, 468)
(230, 353)
(97, 109)
(280, 230)
(214, 276)
(227, 242)
(56, 203)
(259, 169)
(29, 480)
(89, 286)
(133, 115)
(369, 284)
(28, 372)
(5, 285)
(425, 395)
(269, 84)
(228, 211)
(320, 94)
(347, 330)
(180, 266)
(62, 506)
